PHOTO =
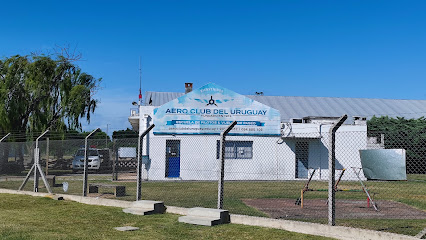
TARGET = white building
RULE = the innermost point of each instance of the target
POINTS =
(299, 146)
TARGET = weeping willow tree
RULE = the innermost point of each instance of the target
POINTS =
(44, 91)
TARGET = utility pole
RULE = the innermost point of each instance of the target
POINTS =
(140, 84)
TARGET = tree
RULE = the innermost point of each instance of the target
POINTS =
(44, 91)
(409, 134)
(128, 133)
(125, 138)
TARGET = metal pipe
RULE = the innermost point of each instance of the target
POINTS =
(331, 171)
(37, 162)
(37, 169)
(340, 178)
(114, 175)
(40, 137)
(26, 178)
(222, 164)
(306, 188)
(140, 149)
(364, 188)
(3, 138)
(86, 148)
(47, 156)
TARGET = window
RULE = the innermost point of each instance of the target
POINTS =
(236, 149)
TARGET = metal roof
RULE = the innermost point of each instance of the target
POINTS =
(299, 107)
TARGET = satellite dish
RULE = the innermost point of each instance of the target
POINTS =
(65, 186)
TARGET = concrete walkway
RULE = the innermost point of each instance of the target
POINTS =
(338, 232)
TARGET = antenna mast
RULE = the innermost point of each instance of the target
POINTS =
(140, 82)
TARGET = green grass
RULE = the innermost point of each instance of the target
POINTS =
(402, 226)
(50, 172)
(26, 217)
(204, 194)
(197, 193)
(418, 177)
(409, 227)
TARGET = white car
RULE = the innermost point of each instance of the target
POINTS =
(93, 163)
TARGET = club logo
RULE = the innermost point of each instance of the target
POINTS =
(211, 102)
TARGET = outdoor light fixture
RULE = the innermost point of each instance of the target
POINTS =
(134, 103)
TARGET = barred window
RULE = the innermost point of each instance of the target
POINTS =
(236, 149)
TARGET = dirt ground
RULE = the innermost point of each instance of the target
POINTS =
(349, 209)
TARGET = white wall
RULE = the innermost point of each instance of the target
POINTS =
(349, 140)
(273, 157)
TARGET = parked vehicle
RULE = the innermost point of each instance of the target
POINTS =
(93, 163)
(106, 162)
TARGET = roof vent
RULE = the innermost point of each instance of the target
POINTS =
(296, 120)
(188, 87)
(359, 120)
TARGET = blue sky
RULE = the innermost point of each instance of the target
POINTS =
(368, 49)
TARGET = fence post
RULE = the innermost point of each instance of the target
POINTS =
(86, 149)
(2, 154)
(140, 149)
(3, 138)
(331, 171)
(47, 156)
(115, 150)
(222, 164)
(37, 169)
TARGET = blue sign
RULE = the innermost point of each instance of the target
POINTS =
(210, 109)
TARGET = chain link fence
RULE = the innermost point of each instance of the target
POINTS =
(276, 177)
